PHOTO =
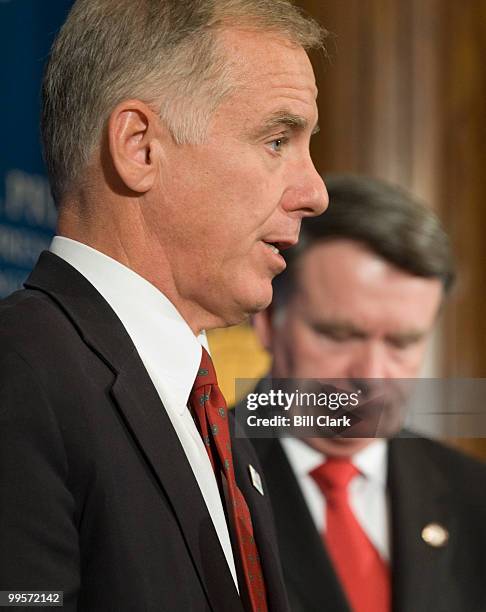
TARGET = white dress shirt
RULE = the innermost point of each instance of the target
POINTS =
(368, 496)
(170, 352)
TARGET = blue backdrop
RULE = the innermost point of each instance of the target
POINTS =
(27, 216)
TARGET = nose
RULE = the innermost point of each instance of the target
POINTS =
(368, 362)
(308, 195)
(381, 399)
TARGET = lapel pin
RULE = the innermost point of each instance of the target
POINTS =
(256, 479)
(435, 535)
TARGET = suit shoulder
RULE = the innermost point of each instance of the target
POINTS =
(30, 322)
(452, 457)
(461, 470)
(23, 303)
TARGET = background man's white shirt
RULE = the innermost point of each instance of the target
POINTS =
(368, 496)
(169, 350)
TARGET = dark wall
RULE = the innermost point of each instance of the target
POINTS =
(26, 209)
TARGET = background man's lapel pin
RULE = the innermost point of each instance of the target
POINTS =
(435, 535)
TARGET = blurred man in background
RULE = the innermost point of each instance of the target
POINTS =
(176, 137)
(366, 524)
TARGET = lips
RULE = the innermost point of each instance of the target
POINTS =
(272, 247)
(278, 244)
(275, 243)
(274, 258)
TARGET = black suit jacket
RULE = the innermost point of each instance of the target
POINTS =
(428, 483)
(97, 497)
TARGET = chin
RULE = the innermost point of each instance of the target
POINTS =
(261, 299)
(240, 313)
(247, 300)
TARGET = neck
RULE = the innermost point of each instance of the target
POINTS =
(128, 242)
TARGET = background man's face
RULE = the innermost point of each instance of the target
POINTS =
(249, 184)
(353, 315)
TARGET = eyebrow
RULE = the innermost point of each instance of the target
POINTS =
(326, 327)
(345, 328)
(283, 118)
(410, 337)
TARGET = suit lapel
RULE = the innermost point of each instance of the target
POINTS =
(151, 427)
(141, 408)
(311, 580)
(418, 496)
(262, 520)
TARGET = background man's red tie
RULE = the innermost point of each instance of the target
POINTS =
(363, 574)
(210, 411)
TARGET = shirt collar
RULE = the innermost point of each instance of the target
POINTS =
(371, 461)
(165, 342)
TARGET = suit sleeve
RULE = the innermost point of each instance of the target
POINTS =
(38, 537)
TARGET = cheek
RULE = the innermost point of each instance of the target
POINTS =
(409, 363)
(312, 356)
(246, 194)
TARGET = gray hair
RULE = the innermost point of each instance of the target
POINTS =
(164, 52)
(385, 219)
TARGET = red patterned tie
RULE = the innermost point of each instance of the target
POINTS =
(209, 407)
(363, 574)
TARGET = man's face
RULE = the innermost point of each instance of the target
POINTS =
(352, 316)
(249, 184)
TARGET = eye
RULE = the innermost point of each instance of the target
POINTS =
(277, 144)
(334, 334)
(337, 336)
(402, 344)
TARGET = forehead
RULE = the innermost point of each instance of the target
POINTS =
(267, 70)
(343, 279)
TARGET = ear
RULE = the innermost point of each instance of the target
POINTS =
(262, 324)
(133, 144)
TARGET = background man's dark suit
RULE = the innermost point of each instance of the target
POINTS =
(428, 483)
(94, 485)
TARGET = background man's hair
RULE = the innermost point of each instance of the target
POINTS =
(385, 219)
(164, 52)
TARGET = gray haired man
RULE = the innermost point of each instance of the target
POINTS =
(176, 136)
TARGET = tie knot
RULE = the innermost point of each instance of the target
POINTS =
(334, 475)
(206, 374)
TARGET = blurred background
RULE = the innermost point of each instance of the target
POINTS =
(402, 96)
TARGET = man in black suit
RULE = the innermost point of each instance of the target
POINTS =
(358, 301)
(176, 136)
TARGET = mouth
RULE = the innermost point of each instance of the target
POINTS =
(277, 262)
(272, 246)
(276, 246)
